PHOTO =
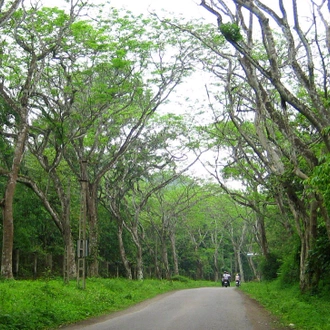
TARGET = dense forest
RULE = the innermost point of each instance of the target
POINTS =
(95, 162)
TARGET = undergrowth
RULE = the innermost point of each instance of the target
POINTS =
(301, 311)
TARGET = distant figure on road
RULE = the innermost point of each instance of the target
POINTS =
(237, 279)
(226, 276)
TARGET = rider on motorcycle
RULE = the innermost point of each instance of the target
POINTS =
(226, 276)
(238, 279)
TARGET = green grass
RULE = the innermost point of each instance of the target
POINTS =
(49, 304)
(310, 312)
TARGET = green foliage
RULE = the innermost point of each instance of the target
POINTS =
(289, 270)
(320, 179)
(7, 119)
(304, 311)
(35, 232)
(49, 304)
(231, 32)
(180, 278)
(45, 21)
(319, 261)
(269, 267)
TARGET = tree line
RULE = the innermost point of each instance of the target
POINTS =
(83, 139)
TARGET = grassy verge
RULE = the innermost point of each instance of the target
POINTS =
(301, 311)
(49, 304)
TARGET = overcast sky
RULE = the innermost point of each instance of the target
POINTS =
(190, 8)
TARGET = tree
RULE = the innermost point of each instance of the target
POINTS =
(112, 93)
(139, 175)
(96, 88)
(20, 77)
(10, 7)
(37, 243)
(166, 212)
(287, 99)
(51, 180)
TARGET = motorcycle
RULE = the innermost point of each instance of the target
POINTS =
(237, 283)
(225, 283)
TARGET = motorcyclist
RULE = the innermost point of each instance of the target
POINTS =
(238, 279)
(226, 276)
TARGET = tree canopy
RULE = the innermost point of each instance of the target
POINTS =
(85, 130)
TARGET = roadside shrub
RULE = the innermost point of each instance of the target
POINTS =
(319, 256)
(289, 270)
(318, 267)
(269, 267)
(180, 278)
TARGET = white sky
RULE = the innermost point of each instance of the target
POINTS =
(189, 8)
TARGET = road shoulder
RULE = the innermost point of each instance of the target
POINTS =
(98, 319)
(260, 318)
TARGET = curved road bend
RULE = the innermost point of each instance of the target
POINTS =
(193, 309)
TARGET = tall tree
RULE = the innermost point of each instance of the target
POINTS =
(140, 174)
(165, 213)
(21, 75)
(117, 93)
(270, 80)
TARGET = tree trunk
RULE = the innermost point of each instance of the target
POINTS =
(139, 255)
(303, 276)
(139, 263)
(8, 220)
(240, 265)
(49, 262)
(17, 255)
(93, 229)
(215, 265)
(175, 255)
(253, 267)
(7, 242)
(262, 235)
(123, 252)
(35, 265)
(156, 266)
(306, 224)
(69, 266)
(166, 267)
(199, 269)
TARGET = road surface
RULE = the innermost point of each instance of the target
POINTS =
(193, 309)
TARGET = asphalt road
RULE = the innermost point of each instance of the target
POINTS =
(192, 309)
